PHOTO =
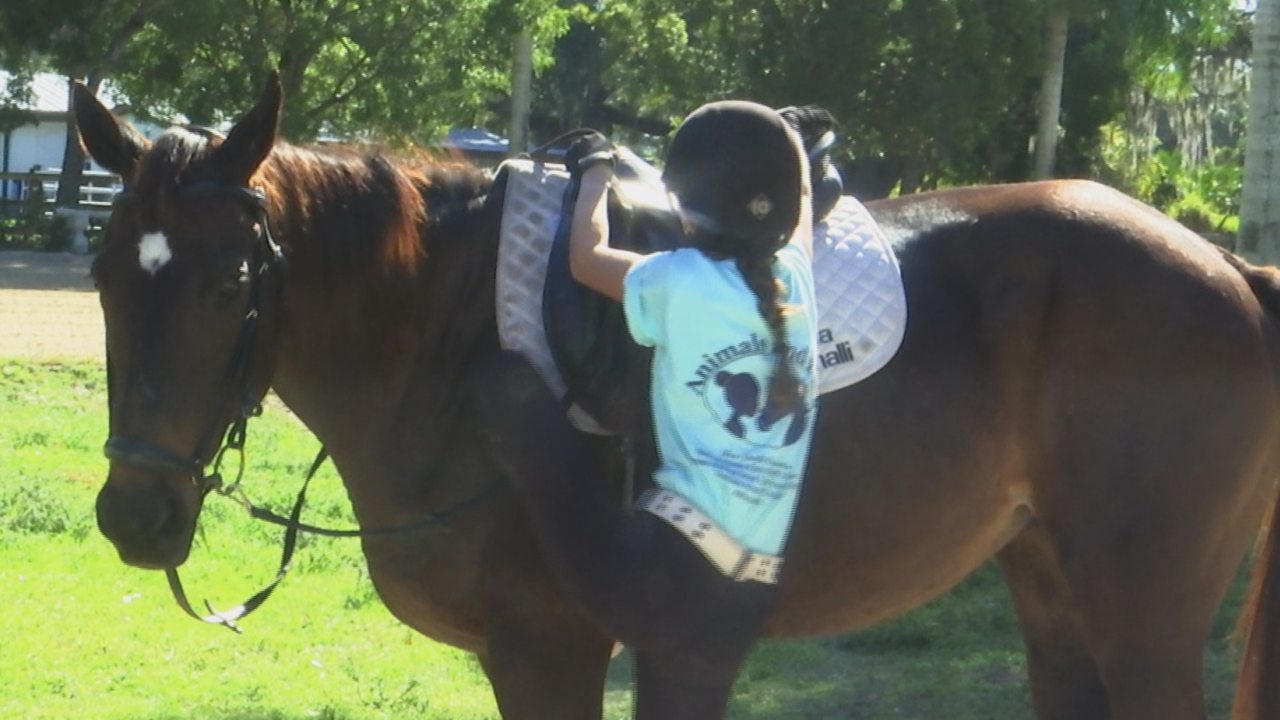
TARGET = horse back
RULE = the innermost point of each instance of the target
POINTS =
(1064, 343)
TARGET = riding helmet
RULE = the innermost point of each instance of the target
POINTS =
(735, 170)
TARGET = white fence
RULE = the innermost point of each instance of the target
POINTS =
(97, 190)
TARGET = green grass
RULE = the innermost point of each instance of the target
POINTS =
(82, 635)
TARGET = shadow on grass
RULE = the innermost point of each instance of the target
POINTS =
(960, 657)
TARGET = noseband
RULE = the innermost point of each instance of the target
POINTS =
(266, 255)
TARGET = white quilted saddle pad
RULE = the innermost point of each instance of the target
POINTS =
(862, 306)
(862, 309)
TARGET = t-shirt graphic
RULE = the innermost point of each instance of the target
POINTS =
(743, 399)
(720, 444)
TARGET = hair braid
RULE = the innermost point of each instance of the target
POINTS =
(757, 270)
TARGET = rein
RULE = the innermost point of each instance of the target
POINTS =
(267, 254)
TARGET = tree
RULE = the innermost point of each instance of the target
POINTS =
(1050, 101)
(918, 86)
(83, 41)
(376, 68)
(1260, 206)
(1116, 43)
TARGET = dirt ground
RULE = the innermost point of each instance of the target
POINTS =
(48, 308)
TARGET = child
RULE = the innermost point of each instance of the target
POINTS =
(687, 581)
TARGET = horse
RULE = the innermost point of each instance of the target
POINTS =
(1087, 391)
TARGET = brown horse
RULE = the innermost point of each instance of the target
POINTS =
(1087, 391)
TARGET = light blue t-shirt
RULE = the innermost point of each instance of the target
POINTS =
(713, 359)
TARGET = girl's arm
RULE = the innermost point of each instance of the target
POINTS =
(591, 261)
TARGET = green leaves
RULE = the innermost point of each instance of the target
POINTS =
(927, 91)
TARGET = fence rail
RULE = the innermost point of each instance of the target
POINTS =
(96, 189)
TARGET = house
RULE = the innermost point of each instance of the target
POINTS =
(38, 143)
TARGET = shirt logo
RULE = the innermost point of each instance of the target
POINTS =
(734, 383)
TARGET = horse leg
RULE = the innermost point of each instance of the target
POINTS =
(693, 679)
(635, 576)
(547, 671)
(543, 656)
(674, 692)
(1145, 577)
(1065, 684)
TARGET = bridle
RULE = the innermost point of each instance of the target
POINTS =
(267, 257)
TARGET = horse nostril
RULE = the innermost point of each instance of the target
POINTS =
(169, 518)
(128, 514)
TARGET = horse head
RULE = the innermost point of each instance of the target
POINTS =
(189, 280)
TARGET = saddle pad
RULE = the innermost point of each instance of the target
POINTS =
(862, 306)
(862, 309)
(530, 216)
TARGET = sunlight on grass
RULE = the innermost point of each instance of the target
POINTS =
(82, 635)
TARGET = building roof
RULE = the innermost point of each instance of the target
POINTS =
(49, 93)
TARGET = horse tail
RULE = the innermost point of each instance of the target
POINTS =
(1257, 689)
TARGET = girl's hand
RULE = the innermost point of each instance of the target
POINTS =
(590, 151)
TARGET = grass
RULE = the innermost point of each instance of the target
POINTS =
(82, 635)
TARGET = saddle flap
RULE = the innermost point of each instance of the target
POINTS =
(604, 372)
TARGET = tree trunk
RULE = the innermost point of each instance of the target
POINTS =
(1260, 205)
(73, 155)
(1051, 89)
(521, 97)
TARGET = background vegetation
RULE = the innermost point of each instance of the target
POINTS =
(929, 92)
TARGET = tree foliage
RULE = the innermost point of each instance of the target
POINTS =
(928, 92)
(384, 68)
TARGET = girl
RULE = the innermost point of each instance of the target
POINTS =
(688, 580)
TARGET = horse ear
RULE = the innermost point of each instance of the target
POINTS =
(251, 139)
(111, 141)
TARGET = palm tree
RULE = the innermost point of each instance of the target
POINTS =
(1051, 89)
(1260, 205)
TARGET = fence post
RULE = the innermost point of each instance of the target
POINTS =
(78, 223)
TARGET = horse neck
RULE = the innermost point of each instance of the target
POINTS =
(373, 352)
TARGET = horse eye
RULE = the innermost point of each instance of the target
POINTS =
(232, 287)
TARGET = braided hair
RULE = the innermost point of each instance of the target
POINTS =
(784, 387)
(735, 168)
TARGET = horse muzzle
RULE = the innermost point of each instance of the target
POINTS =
(149, 517)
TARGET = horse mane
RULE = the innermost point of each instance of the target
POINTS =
(356, 205)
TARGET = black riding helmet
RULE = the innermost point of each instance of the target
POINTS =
(735, 170)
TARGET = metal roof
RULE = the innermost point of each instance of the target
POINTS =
(50, 93)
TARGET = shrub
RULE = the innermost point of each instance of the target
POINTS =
(36, 227)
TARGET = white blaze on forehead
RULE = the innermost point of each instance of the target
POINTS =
(154, 252)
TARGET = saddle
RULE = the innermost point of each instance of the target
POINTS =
(604, 372)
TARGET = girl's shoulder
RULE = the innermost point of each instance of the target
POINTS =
(671, 265)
